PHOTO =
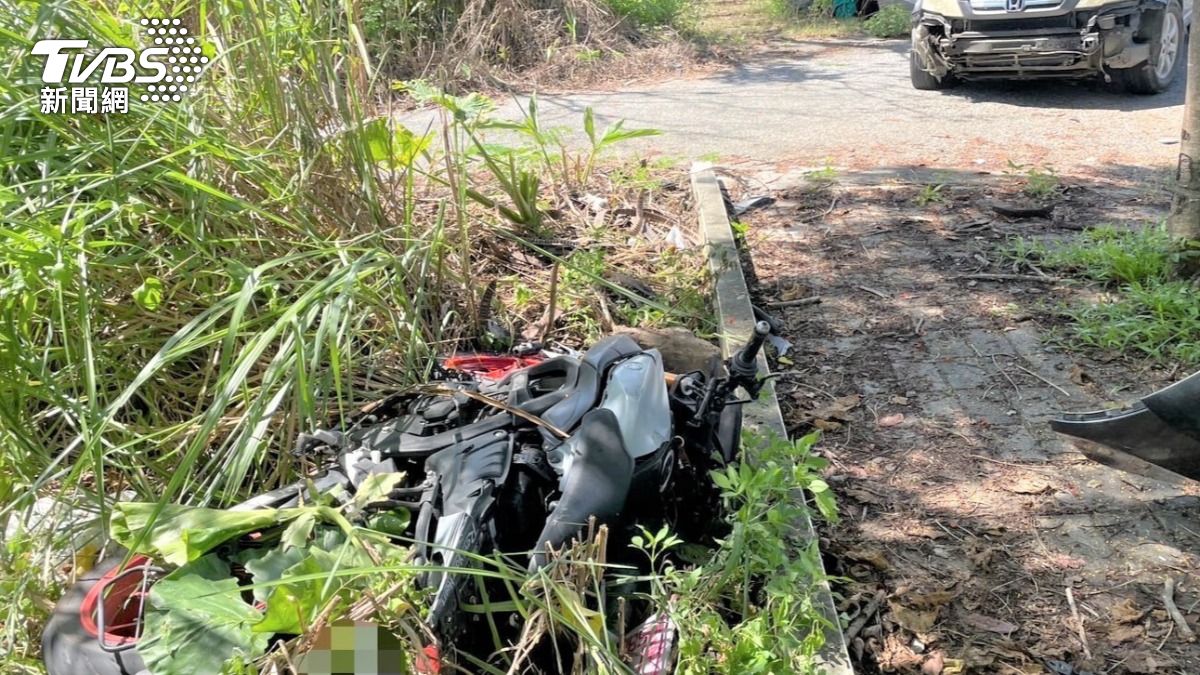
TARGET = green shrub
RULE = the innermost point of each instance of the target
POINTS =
(892, 21)
(653, 13)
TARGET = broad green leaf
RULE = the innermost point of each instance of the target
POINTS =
(270, 566)
(376, 487)
(149, 294)
(291, 606)
(182, 534)
(390, 522)
(589, 124)
(197, 621)
(824, 499)
(298, 532)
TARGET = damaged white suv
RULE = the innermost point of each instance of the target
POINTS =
(1138, 44)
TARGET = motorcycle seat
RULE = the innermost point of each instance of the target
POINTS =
(563, 389)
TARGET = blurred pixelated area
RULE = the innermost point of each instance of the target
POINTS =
(363, 648)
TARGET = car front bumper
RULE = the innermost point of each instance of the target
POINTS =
(1073, 44)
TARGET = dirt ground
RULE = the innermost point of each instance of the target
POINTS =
(977, 526)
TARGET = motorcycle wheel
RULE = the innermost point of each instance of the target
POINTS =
(70, 643)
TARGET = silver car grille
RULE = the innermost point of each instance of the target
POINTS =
(1011, 6)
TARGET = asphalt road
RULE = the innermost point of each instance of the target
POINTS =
(850, 104)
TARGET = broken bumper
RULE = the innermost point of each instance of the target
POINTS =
(1073, 44)
(1161, 431)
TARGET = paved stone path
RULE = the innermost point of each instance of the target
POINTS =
(947, 470)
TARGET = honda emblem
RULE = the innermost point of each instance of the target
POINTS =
(1014, 5)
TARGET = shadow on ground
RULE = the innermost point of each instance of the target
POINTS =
(933, 387)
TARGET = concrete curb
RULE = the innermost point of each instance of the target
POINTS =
(737, 321)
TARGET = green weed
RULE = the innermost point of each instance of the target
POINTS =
(1106, 254)
(1040, 182)
(1147, 311)
(930, 194)
(828, 174)
(751, 607)
(1157, 320)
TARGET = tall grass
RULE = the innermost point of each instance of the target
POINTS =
(175, 280)
(185, 287)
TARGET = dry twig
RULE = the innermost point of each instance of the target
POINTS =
(1087, 652)
(1176, 616)
(811, 300)
(866, 615)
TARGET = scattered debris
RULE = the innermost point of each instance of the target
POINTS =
(782, 346)
(982, 276)
(675, 239)
(1012, 210)
(865, 616)
(1029, 485)
(742, 207)
(1126, 612)
(987, 623)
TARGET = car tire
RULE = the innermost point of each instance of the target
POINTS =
(68, 649)
(925, 81)
(1168, 41)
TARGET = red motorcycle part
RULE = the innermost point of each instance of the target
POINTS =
(489, 366)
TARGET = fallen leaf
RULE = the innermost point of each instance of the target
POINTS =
(1143, 664)
(863, 496)
(1126, 612)
(899, 400)
(1124, 633)
(875, 557)
(838, 407)
(932, 599)
(933, 665)
(893, 420)
(1029, 485)
(826, 425)
(913, 620)
(983, 622)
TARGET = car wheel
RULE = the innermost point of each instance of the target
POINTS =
(925, 81)
(69, 648)
(1166, 57)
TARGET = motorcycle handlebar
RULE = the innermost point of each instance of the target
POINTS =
(745, 358)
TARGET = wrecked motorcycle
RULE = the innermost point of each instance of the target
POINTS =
(504, 456)
(1157, 436)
